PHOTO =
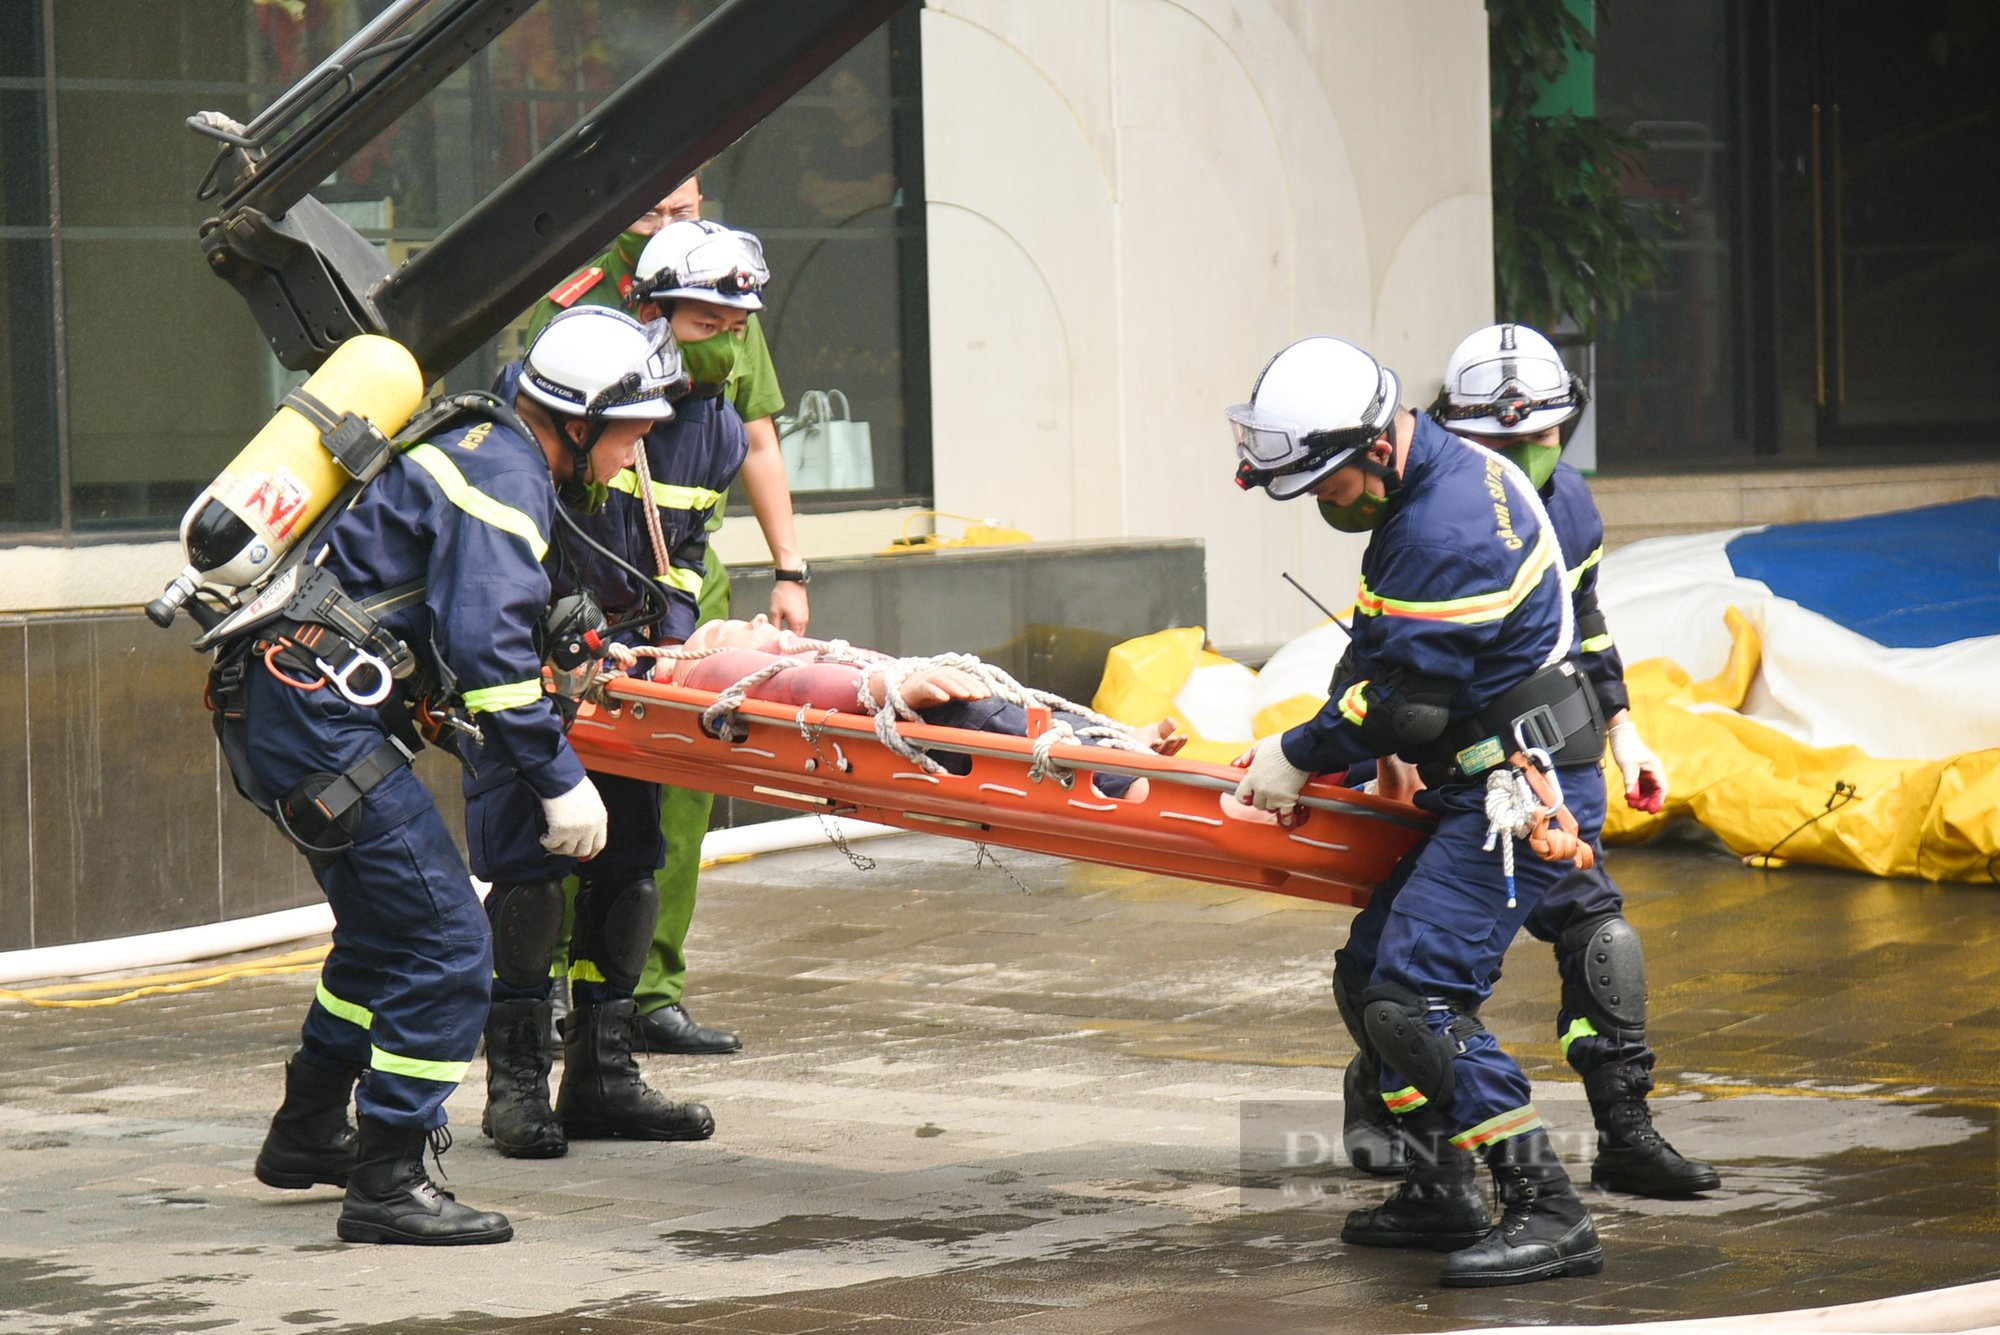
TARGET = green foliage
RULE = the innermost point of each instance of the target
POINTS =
(1566, 244)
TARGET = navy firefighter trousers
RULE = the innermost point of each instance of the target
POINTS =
(1577, 897)
(504, 827)
(403, 995)
(1441, 919)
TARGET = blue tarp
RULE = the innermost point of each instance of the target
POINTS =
(1915, 579)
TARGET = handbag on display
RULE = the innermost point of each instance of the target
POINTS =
(824, 452)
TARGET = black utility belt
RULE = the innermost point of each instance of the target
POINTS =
(1554, 712)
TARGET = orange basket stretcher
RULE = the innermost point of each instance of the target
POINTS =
(1188, 824)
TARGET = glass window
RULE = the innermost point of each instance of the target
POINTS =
(1669, 389)
(168, 377)
(825, 181)
(129, 374)
(30, 490)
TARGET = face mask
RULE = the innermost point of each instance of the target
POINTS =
(1359, 515)
(710, 361)
(1537, 461)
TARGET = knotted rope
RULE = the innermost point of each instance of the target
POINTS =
(1520, 799)
(893, 706)
(1000, 685)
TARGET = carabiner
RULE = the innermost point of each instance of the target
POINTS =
(362, 658)
(1545, 766)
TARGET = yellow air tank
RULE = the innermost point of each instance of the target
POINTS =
(273, 490)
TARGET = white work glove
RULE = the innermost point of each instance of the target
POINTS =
(577, 823)
(1645, 776)
(1273, 782)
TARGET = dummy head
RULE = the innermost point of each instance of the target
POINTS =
(757, 633)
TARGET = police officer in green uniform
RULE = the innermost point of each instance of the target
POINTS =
(664, 1024)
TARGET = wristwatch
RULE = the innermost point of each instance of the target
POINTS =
(803, 575)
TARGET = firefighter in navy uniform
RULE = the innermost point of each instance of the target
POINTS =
(1462, 645)
(1506, 387)
(702, 280)
(752, 389)
(447, 545)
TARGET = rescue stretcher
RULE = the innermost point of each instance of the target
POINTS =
(1188, 823)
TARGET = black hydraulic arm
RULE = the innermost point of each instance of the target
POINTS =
(411, 67)
(562, 208)
(312, 282)
(305, 273)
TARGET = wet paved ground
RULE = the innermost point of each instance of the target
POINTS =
(976, 1101)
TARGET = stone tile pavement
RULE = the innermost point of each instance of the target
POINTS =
(980, 1100)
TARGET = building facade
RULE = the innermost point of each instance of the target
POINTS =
(1037, 247)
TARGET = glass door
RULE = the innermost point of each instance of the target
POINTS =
(1903, 163)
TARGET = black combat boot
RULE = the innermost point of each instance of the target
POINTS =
(518, 1058)
(310, 1141)
(1544, 1232)
(1368, 1129)
(1439, 1205)
(1632, 1156)
(390, 1198)
(602, 1096)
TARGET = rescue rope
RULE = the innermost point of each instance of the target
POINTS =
(1001, 685)
(1510, 813)
(651, 511)
(1521, 798)
(894, 707)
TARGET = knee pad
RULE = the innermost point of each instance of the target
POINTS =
(1604, 975)
(614, 928)
(526, 918)
(1395, 1018)
(1347, 988)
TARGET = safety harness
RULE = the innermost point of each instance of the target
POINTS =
(311, 635)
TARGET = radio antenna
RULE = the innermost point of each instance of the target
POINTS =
(1317, 603)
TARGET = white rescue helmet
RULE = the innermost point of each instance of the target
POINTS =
(1317, 405)
(702, 260)
(599, 362)
(1507, 380)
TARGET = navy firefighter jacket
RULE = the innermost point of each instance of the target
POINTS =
(693, 457)
(469, 513)
(1580, 531)
(1458, 586)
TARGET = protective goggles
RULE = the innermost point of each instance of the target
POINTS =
(663, 380)
(1284, 459)
(729, 263)
(1508, 387)
(1512, 409)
